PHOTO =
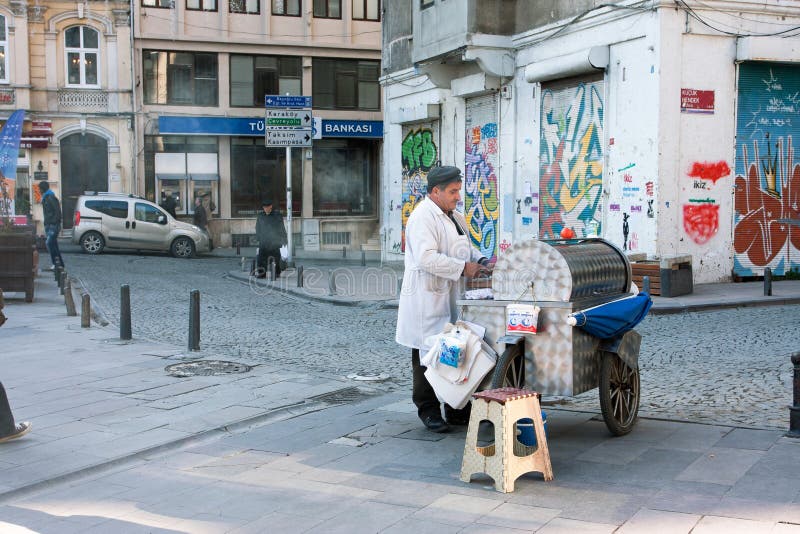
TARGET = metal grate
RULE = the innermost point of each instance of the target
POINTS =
(335, 238)
(206, 368)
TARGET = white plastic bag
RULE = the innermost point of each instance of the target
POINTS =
(284, 252)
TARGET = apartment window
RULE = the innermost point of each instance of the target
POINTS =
(252, 77)
(290, 8)
(81, 48)
(201, 5)
(367, 10)
(180, 78)
(251, 7)
(328, 9)
(158, 3)
(346, 84)
(3, 50)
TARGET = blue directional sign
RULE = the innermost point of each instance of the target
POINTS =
(287, 101)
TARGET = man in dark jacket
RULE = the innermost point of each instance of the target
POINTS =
(271, 236)
(52, 223)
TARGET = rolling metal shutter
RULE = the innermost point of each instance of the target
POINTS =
(481, 204)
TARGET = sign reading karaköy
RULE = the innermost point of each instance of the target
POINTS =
(287, 119)
(287, 101)
(697, 101)
(289, 137)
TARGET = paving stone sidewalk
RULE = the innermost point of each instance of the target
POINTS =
(120, 446)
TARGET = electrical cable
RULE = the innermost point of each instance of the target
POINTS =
(686, 7)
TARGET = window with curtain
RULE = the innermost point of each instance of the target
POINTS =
(180, 78)
(166, 4)
(367, 10)
(346, 84)
(250, 7)
(252, 77)
(201, 5)
(289, 8)
(81, 46)
(3, 50)
(328, 9)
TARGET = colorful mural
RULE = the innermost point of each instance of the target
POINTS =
(419, 154)
(571, 160)
(481, 200)
(767, 187)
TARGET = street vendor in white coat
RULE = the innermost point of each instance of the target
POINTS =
(438, 253)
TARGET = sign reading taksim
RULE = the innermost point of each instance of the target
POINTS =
(286, 119)
(289, 137)
(287, 101)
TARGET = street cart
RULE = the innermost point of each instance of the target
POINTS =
(561, 279)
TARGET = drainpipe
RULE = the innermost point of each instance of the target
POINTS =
(135, 144)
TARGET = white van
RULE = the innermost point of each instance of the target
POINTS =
(118, 221)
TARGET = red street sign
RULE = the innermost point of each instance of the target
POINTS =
(697, 101)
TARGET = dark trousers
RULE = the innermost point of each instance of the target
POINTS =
(264, 254)
(6, 417)
(425, 398)
(51, 231)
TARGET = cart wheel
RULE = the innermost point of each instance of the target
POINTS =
(619, 393)
(510, 369)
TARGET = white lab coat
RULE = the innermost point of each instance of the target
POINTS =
(434, 260)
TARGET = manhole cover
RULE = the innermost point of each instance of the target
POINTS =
(342, 396)
(206, 368)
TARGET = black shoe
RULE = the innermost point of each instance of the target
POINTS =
(20, 429)
(457, 420)
(435, 423)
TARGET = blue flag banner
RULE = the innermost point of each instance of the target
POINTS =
(9, 153)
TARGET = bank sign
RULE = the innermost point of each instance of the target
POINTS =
(246, 126)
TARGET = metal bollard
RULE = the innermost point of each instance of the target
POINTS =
(238, 247)
(794, 410)
(271, 269)
(363, 258)
(344, 252)
(767, 282)
(86, 311)
(399, 286)
(68, 300)
(299, 276)
(194, 320)
(331, 283)
(125, 312)
(57, 273)
(61, 280)
(646, 284)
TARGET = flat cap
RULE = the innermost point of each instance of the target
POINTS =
(266, 202)
(443, 175)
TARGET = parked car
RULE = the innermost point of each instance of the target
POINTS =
(118, 221)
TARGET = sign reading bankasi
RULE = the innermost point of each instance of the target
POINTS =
(287, 101)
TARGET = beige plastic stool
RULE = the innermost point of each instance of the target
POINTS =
(504, 407)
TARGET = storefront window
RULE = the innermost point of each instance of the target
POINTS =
(183, 167)
(345, 177)
(259, 172)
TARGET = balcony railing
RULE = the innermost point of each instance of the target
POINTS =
(82, 100)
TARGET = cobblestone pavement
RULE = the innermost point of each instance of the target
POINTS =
(727, 366)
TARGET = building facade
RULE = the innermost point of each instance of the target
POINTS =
(663, 127)
(68, 65)
(202, 70)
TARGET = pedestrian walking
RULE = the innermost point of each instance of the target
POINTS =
(438, 253)
(52, 224)
(8, 429)
(200, 218)
(271, 235)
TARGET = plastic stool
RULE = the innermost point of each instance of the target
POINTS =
(504, 407)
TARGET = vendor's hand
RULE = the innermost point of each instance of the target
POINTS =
(472, 269)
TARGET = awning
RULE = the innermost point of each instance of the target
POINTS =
(171, 176)
(199, 177)
(34, 142)
(588, 60)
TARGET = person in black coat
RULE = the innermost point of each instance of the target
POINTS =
(271, 235)
(170, 205)
(51, 208)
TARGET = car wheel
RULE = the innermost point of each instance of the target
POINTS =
(182, 247)
(93, 242)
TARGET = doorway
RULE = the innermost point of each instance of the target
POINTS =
(84, 167)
